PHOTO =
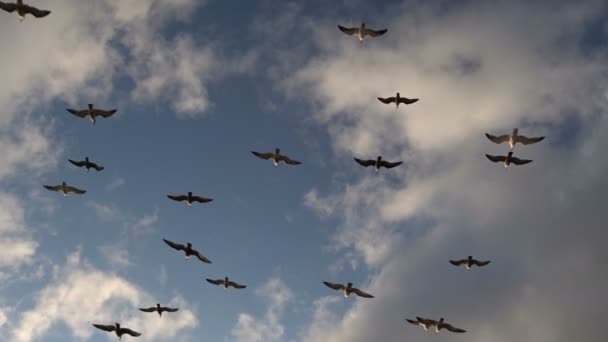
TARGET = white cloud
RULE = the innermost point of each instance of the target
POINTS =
(143, 224)
(68, 300)
(115, 184)
(16, 247)
(105, 212)
(269, 328)
(116, 255)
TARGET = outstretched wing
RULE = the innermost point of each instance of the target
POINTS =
(236, 285)
(453, 329)
(407, 101)
(498, 139)
(289, 161)
(105, 113)
(78, 113)
(96, 167)
(348, 31)
(74, 190)
(201, 199)
(174, 245)
(390, 165)
(262, 155)
(215, 282)
(412, 321)
(360, 293)
(334, 286)
(426, 320)
(496, 159)
(147, 309)
(518, 161)
(105, 327)
(375, 33)
(164, 308)
(527, 141)
(52, 188)
(481, 263)
(178, 198)
(130, 332)
(38, 13)
(365, 163)
(386, 100)
(77, 163)
(10, 7)
(201, 257)
(457, 262)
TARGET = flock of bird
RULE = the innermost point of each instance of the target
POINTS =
(276, 157)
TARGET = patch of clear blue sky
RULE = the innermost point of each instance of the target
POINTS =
(245, 230)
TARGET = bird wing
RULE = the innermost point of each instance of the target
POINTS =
(147, 309)
(215, 282)
(334, 286)
(38, 13)
(174, 245)
(452, 328)
(457, 262)
(201, 199)
(77, 163)
(164, 308)
(262, 155)
(236, 285)
(96, 167)
(289, 161)
(105, 113)
(53, 188)
(201, 257)
(518, 161)
(8, 7)
(360, 293)
(105, 327)
(178, 198)
(130, 332)
(74, 190)
(390, 165)
(426, 320)
(375, 33)
(481, 263)
(407, 101)
(527, 141)
(496, 159)
(498, 139)
(348, 31)
(78, 113)
(365, 163)
(387, 100)
(412, 321)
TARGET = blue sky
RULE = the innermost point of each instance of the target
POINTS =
(200, 84)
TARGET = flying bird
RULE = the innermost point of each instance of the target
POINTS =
(276, 157)
(189, 198)
(117, 329)
(397, 99)
(92, 113)
(65, 188)
(362, 31)
(378, 163)
(188, 250)
(469, 262)
(348, 289)
(159, 309)
(23, 9)
(513, 139)
(226, 283)
(442, 325)
(87, 164)
(425, 323)
(508, 159)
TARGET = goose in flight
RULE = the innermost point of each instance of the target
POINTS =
(378, 163)
(348, 289)
(92, 113)
(226, 283)
(23, 9)
(188, 250)
(65, 188)
(508, 159)
(276, 157)
(397, 99)
(189, 198)
(469, 262)
(87, 164)
(442, 325)
(159, 309)
(362, 31)
(513, 139)
(117, 329)
(425, 323)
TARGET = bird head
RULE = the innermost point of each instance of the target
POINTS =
(188, 245)
(277, 150)
(90, 106)
(349, 285)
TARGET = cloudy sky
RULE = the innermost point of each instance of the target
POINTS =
(200, 83)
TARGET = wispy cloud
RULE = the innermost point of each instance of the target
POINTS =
(116, 255)
(16, 247)
(116, 183)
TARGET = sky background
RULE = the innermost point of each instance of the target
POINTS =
(200, 84)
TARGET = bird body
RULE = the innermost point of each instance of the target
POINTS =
(92, 113)
(348, 289)
(276, 157)
(362, 31)
(64, 188)
(508, 159)
(117, 329)
(469, 262)
(159, 309)
(397, 99)
(23, 9)
(513, 139)
(189, 198)
(226, 282)
(188, 251)
(425, 323)
(378, 163)
(86, 164)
